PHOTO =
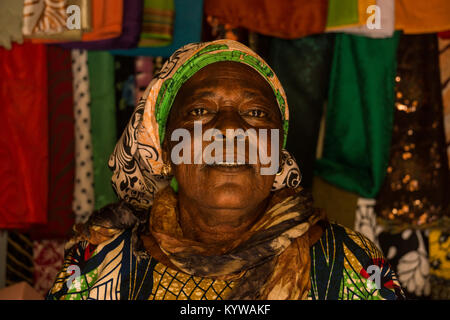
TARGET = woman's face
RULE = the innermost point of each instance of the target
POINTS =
(224, 95)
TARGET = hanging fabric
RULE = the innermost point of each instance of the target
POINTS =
(83, 193)
(11, 12)
(444, 66)
(418, 16)
(381, 20)
(187, 29)
(19, 258)
(342, 13)
(157, 23)
(48, 258)
(23, 136)
(128, 38)
(103, 123)
(415, 191)
(283, 19)
(359, 114)
(61, 147)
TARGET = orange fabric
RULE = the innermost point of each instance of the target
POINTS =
(106, 20)
(418, 16)
(282, 18)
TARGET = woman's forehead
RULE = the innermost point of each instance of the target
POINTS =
(226, 73)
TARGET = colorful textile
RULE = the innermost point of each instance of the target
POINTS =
(83, 193)
(339, 271)
(338, 204)
(307, 89)
(128, 38)
(359, 114)
(283, 19)
(415, 191)
(342, 13)
(106, 21)
(103, 122)
(439, 246)
(61, 147)
(48, 257)
(23, 138)
(407, 250)
(187, 29)
(11, 12)
(136, 180)
(157, 23)
(44, 16)
(384, 15)
(417, 16)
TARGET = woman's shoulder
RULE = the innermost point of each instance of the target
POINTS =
(355, 265)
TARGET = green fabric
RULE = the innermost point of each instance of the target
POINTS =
(360, 114)
(342, 13)
(103, 122)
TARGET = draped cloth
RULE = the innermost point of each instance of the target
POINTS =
(283, 19)
(270, 261)
(103, 122)
(23, 136)
(11, 12)
(83, 193)
(360, 114)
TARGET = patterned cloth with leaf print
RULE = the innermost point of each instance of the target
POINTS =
(341, 263)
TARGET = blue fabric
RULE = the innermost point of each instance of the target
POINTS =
(187, 29)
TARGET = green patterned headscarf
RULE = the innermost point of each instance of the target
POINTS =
(136, 160)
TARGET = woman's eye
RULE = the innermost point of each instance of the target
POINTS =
(257, 113)
(198, 112)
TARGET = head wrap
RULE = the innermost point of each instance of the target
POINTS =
(136, 161)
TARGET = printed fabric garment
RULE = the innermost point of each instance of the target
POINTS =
(303, 67)
(282, 19)
(359, 114)
(444, 66)
(157, 23)
(83, 193)
(128, 38)
(187, 29)
(417, 16)
(407, 251)
(61, 163)
(11, 12)
(103, 122)
(381, 20)
(44, 17)
(339, 271)
(23, 136)
(75, 23)
(48, 257)
(439, 242)
(415, 191)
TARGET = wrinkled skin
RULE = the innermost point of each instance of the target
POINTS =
(217, 204)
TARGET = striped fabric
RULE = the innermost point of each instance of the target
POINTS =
(157, 23)
(19, 259)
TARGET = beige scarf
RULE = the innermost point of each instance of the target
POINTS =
(271, 261)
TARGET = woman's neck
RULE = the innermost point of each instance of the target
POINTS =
(215, 225)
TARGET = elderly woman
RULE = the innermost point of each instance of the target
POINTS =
(216, 229)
